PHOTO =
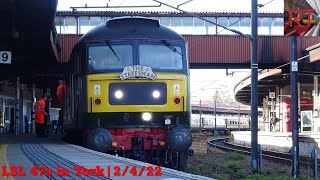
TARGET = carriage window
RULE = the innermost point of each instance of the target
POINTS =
(161, 56)
(110, 57)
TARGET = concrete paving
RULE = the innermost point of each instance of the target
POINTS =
(85, 158)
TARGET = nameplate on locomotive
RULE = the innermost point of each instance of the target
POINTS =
(137, 71)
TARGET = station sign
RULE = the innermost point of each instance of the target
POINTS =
(5, 57)
(314, 55)
(272, 95)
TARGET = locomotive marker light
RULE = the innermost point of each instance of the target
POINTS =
(177, 100)
(97, 101)
(118, 94)
(146, 116)
(167, 121)
(156, 94)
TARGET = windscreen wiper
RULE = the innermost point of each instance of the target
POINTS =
(108, 43)
(171, 47)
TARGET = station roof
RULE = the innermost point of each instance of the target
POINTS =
(164, 13)
(27, 30)
(270, 78)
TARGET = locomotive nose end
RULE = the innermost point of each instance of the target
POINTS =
(179, 138)
(99, 139)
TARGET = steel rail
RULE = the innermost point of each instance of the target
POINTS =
(222, 144)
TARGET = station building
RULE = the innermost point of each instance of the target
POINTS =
(70, 25)
(275, 93)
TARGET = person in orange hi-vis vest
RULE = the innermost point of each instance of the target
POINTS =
(61, 92)
(40, 114)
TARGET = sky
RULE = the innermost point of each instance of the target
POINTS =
(203, 82)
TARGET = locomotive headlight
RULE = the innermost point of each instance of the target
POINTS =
(146, 116)
(118, 94)
(156, 94)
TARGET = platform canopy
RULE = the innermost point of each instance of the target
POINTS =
(269, 79)
(28, 33)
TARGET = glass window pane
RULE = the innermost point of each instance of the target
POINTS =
(59, 24)
(198, 22)
(266, 24)
(211, 28)
(188, 25)
(165, 57)
(234, 24)
(224, 22)
(199, 26)
(259, 22)
(176, 24)
(70, 25)
(84, 24)
(245, 26)
(104, 19)
(95, 21)
(58, 21)
(103, 58)
(277, 28)
(165, 21)
(176, 21)
(187, 21)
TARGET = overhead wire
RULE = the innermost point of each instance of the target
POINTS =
(299, 59)
(203, 87)
(207, 38)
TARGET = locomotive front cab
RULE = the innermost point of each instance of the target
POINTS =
(137, 91)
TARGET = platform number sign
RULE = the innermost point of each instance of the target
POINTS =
(294, 66)
(5, 57)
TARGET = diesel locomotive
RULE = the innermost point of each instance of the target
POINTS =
(128, 92)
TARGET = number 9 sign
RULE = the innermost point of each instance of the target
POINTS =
(5, 57)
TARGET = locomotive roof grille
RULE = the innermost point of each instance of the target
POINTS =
(138, 21)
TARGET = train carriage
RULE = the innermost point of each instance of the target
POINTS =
(129, 91)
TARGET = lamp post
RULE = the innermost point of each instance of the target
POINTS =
(239, 117)
(200, 116)
(215, 132)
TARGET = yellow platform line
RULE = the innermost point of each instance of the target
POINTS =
(4, 161)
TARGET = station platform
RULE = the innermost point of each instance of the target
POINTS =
(277, 141)
(50, 158)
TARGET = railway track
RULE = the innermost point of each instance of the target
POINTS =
(272, 155)
(40, 156)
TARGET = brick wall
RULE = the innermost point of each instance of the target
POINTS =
(199, 142)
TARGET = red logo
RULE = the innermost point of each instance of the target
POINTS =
(300, 16)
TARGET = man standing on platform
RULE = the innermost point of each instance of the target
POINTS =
(61, 92)
(40, 116)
